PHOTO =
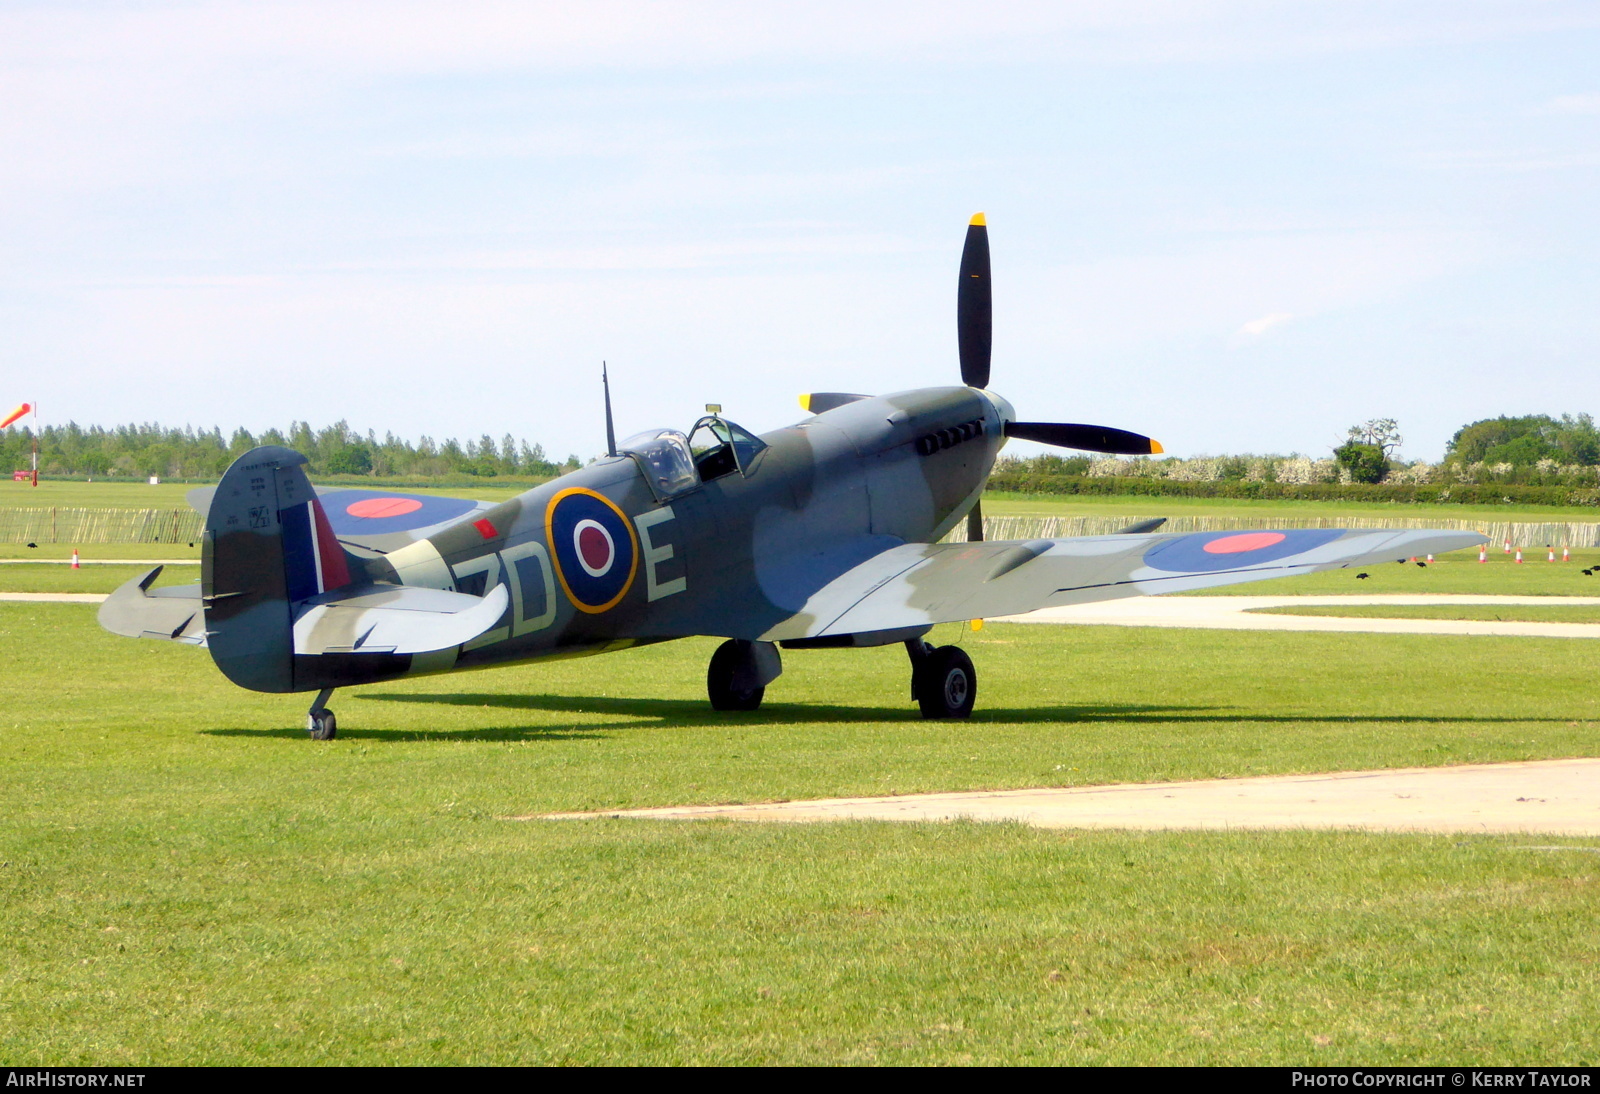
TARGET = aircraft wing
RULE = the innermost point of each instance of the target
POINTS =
(921, 583)
(379, 520)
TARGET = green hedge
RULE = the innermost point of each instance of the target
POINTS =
(1027, 482)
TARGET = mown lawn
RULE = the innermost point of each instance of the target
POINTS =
(187, 878)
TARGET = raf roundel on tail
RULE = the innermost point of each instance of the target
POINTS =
(824, 533)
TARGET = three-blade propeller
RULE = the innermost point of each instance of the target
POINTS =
(975, 336)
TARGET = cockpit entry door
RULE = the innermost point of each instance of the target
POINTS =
(664, 456)
(720, 448)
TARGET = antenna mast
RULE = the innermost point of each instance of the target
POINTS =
(611, 435)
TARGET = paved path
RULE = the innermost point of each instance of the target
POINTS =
(56, 598)
(1546, 796)
(1235, 613)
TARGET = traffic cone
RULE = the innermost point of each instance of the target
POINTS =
(1552, 557)
(1483, 554)
(1566, 556)
(1519, 554)
(75, 565)
(1430, 560)
(1508, 546)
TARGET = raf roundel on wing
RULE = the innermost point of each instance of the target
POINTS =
(594, 546)
(1208, 552)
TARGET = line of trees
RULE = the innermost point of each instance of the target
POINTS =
(131, 451)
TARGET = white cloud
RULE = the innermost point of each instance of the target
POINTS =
(1258, 327)
(1573, 104)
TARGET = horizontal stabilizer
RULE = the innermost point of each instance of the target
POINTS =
(172, 613)
(394, 619)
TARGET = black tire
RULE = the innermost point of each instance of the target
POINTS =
(945, 683)
(719, 682)
(322, 725)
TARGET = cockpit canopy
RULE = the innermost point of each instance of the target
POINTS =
(664, 455)
(674, 463)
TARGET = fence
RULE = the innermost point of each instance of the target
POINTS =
(64, 525)
(1521, 534)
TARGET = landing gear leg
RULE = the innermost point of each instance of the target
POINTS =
(943, 681)
(320, 722)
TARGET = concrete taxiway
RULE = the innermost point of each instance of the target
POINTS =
(1552, 797)
(1241, 613)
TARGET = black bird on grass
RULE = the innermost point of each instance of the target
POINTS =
(33, 545)
(1361, 577)
(1424, 565)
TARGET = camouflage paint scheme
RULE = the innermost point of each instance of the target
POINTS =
(822, 533)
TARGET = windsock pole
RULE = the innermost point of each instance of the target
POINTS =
(13, 416)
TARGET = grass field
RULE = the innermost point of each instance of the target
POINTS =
(170, 495)
(188, 879)
(999, 504)
(139, 495)
(1457, 572)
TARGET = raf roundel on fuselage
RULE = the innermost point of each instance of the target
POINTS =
(595, 548)
(1208, 552)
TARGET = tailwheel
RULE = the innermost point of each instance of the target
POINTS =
(944, 682)
(320, 722)
(726, 663)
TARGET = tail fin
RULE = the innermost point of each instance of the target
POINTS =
(267, 545)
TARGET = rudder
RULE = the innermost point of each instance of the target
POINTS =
(267, 545)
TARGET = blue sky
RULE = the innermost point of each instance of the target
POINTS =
(1235, 226)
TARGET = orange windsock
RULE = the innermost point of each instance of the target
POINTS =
(15, 414)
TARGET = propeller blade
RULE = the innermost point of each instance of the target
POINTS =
(975, 306)
(1088, 438)
(975, 523)
(818, 402)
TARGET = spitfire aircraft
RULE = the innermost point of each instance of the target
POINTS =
(826, 533)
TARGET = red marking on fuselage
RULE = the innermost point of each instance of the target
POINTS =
(1246, 541)
(485, 528)
(383, 507)
(594, 547)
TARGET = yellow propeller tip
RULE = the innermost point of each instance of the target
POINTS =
(977, 221)
(1155, 448)
(805, 402)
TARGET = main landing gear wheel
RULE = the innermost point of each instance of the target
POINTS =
(944, 683)
(719, 681)
(322, 725)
